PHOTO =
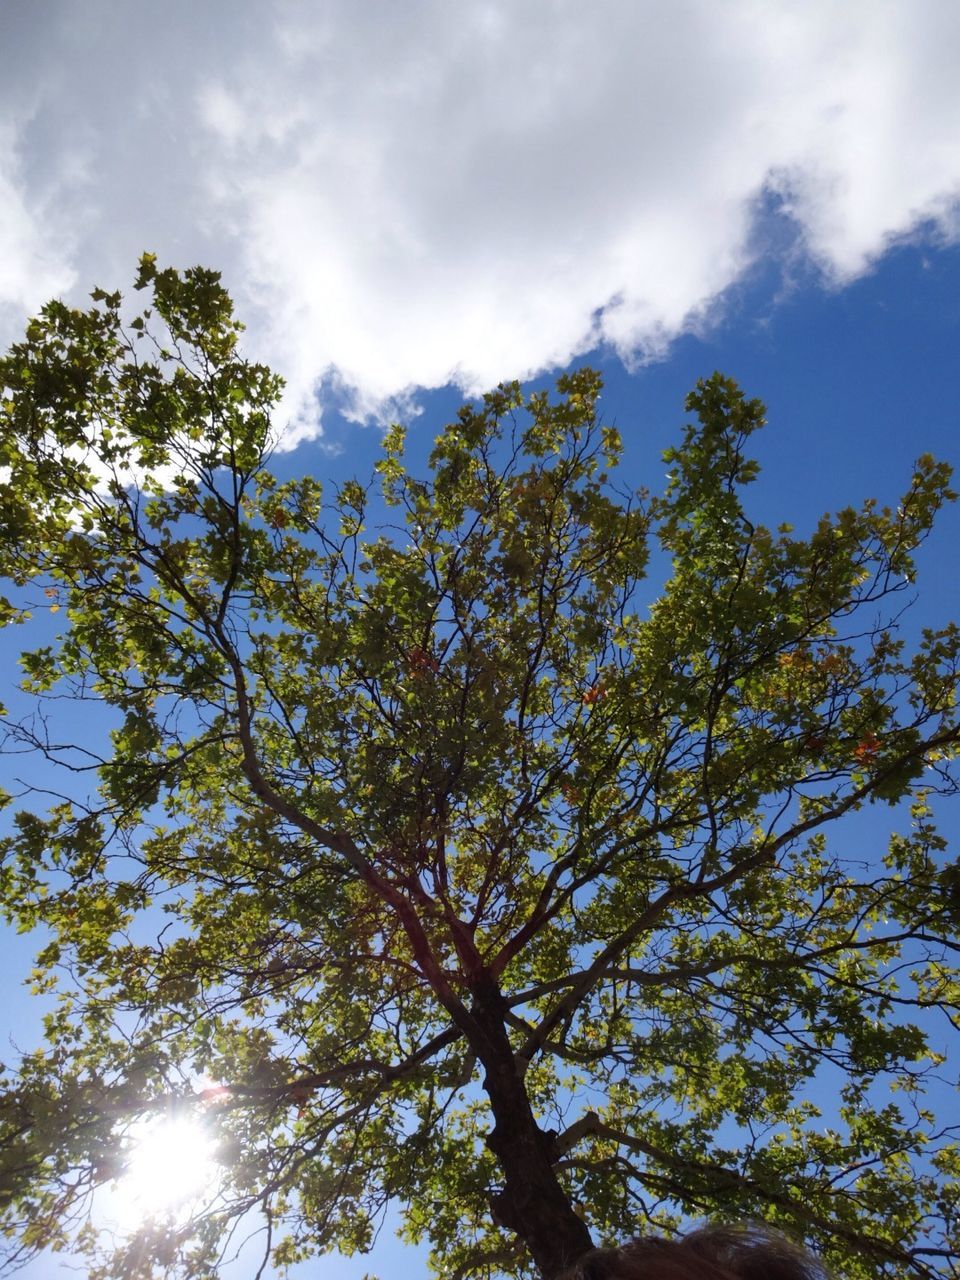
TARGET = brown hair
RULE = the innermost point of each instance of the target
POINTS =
(745, 1251)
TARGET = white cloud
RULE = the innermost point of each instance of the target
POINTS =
(33, 265)
(401, 195)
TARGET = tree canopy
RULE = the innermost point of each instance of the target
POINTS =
(446, 862)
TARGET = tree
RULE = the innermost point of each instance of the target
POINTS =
(473, 878)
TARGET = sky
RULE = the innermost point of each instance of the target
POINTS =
(407, 195)
(411, 202)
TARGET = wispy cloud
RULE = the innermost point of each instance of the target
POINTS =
(405, 195)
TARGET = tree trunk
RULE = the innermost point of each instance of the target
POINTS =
(532, 1202)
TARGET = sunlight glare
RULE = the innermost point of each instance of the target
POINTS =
(171, 1164)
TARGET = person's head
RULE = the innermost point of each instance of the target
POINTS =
(742, 1252)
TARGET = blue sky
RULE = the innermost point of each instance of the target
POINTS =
(413, 202)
